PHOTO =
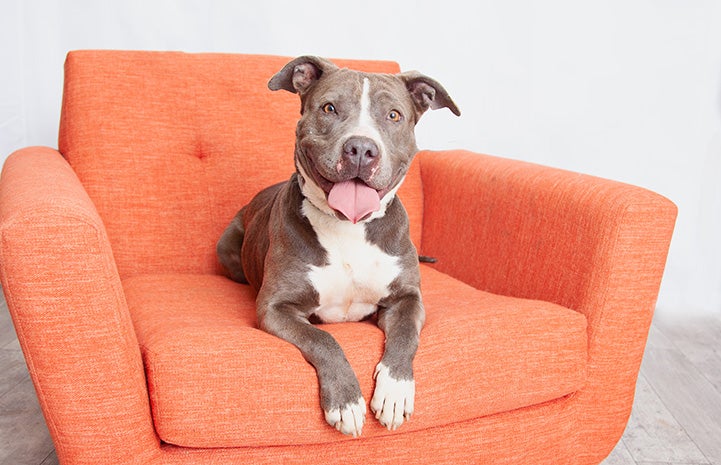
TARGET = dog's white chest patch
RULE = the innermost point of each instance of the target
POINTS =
(358, 273)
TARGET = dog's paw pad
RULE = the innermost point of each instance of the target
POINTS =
(392, 399)
(348, 419)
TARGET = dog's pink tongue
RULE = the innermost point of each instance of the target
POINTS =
(354, 199)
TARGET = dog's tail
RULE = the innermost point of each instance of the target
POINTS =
(228, 248)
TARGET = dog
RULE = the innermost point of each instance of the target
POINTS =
(332, 243)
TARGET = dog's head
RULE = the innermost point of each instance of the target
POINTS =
(355, 139)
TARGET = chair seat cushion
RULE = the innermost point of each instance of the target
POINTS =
(215, 380)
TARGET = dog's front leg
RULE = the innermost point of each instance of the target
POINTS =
(401, 318)
(340, 394)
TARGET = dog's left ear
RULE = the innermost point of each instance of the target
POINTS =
(427, 93)
(300, 74)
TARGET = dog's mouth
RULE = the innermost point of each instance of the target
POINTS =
(354, 199)
(351, 199)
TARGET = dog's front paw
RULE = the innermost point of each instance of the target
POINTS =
(392, 399)
(348, 419)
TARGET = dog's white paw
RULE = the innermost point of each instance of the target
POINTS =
(392, 399)
(348, 419)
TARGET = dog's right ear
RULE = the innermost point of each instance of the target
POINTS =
(300, 74)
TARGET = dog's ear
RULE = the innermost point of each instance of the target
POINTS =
(427, 93)
(300, 74)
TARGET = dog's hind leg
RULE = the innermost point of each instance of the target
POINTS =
(228, 248)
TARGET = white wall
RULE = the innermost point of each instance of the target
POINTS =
(624, 89)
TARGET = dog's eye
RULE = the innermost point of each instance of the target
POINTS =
(395, 116)
(328, 108)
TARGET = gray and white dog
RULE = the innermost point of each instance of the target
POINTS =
(332, 244)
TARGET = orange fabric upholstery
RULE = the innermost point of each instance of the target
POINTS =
(596, 246)
(158, 135)
(199, 342)
(142, 352)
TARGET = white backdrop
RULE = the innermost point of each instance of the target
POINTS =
(624, 89)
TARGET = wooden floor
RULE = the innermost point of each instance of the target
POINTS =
(676, 418)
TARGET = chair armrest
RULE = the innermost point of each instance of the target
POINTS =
(589, 244)
(67, 303)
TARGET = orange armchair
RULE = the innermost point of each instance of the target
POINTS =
(142, 352)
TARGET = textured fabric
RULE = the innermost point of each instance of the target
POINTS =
(69, 310)
(211, 373)
(170, 146)
(147, 136)
(542, 434)
(590, 244)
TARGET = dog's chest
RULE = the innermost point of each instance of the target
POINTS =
(358, 274)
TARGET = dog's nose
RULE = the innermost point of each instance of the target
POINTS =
(361, 151)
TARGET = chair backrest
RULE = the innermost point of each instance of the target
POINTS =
(170, 145)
